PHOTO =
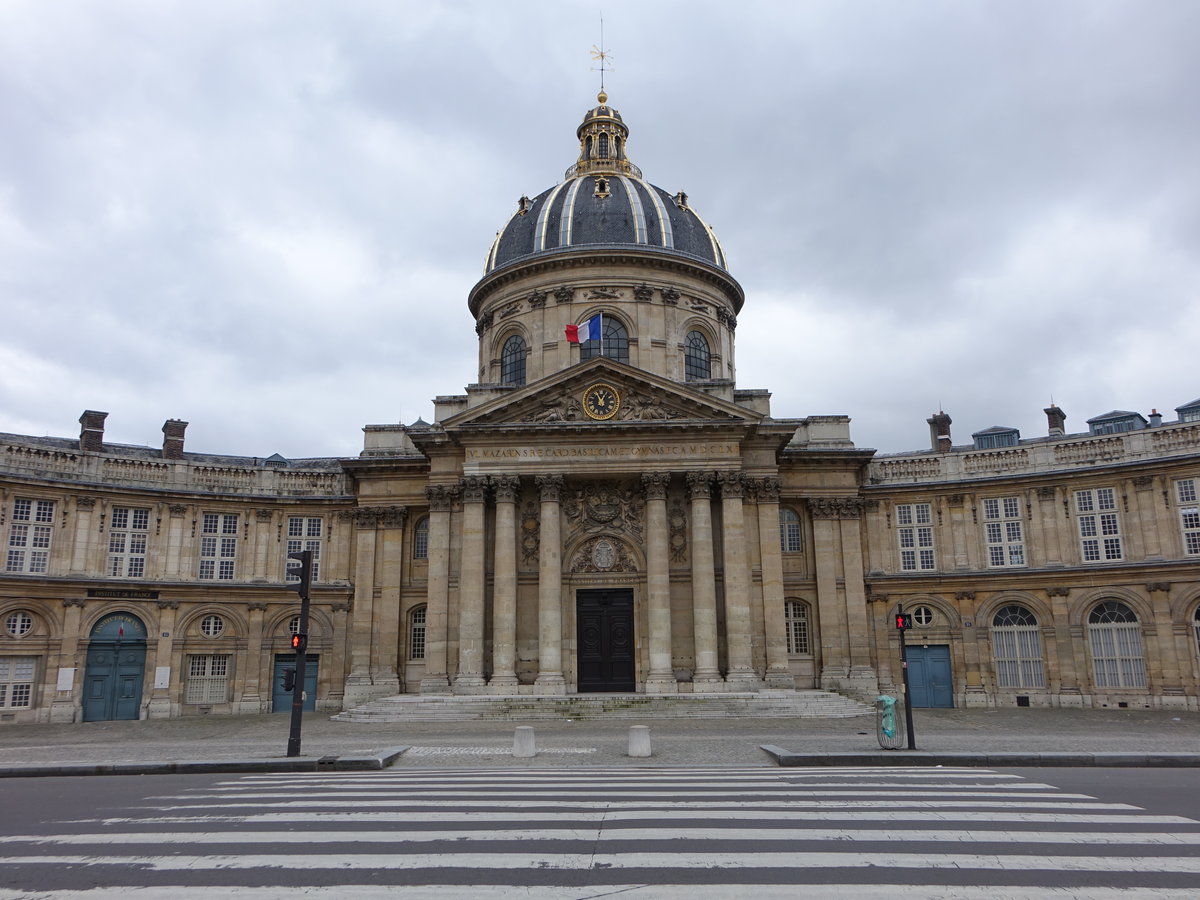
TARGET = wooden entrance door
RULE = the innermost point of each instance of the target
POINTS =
(605, 640)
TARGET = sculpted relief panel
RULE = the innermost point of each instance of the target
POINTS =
(596, 506)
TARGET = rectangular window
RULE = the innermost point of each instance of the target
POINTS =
(127, 537)
(305, 533)
(1004, 531)
(208, 678)
(29, 536)
(1189, 515)
(16, 681)
(915, 536)
(218, 546)
(1099, 531)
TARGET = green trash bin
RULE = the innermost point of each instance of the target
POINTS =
(889, 722)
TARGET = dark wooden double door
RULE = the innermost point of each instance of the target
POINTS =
(604, 629)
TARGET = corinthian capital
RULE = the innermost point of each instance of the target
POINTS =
(655, 484)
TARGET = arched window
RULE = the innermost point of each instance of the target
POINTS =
(603, 146)
(1116, 640)
(616, 343)
(416, 634)
(512, 361)
(421, 539)
(1017, 648)
(795, 618)
(789, 530)
(696, 365)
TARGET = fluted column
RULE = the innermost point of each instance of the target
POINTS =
(779, 674)
(707, 675)
(550, 676)
(469, 679)
(504, 589)
(661, 678)
(740, 675)
(831, 621)
(362, 634)
(437, 609)
(863, 680)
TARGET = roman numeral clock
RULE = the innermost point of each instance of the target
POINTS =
(601, 401)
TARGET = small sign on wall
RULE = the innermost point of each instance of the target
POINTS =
(66, 679)
(162, 676)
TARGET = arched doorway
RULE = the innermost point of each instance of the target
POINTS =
(116, 667)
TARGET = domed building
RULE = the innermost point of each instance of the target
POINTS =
(604, 512)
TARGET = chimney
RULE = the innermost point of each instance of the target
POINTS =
(173, 430)
(91, 430)
(1057, 419)
(939, 432)
(1155, 418)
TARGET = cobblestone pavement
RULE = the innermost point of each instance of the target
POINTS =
(731, 741)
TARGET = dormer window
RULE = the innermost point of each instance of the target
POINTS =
(997, 436)
(1116, 422)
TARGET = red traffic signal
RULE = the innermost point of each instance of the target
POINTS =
(299, 642)
(903, 621)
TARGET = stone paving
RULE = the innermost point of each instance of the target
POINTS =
(733, 741)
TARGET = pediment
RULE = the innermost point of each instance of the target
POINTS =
(643, 398)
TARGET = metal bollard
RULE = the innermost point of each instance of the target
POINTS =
(639, 740)
(523, 743)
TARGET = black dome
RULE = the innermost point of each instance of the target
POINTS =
(604, 210)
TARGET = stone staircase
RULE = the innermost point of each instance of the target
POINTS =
(450, 708)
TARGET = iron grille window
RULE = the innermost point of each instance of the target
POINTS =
(1017, 648)
(208, 678)
(1116, 641)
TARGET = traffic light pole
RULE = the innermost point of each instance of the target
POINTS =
(908, 719)
(301, 646)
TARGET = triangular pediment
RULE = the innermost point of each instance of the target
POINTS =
(642, 398)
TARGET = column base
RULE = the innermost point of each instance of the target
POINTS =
(662, 684)
(435, 684)
(63, 712)
(781, 681)
(743, 681)
(159, 708)
(550, 684)
(503, 684)
(708, 683)
(469, 684)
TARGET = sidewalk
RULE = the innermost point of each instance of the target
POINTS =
(945, 736)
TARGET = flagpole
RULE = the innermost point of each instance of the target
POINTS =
(601, 333)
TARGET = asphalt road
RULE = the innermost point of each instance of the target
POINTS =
(661, 832)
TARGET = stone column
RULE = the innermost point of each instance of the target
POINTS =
(835, 641)
(707, 675)
(469, 679)
(437, 610)
(1069, 690)
(335, 697)
(251, 702)
(863, 681)
(385, 628)
(65, 706)
(661, 678)
(550, 676)
(779, 674)
(159, 704)
(741, 676)
(83, 534)
(175, 530)
(1051, 533)
(1143, 486)
(1160, 640)
(362, 635)
(504, 589)
(264, 567)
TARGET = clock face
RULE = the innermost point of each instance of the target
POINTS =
(601, 401)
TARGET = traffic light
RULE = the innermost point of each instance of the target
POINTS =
(903, 621)
(302, 572)
(299, 642)
(289, 679)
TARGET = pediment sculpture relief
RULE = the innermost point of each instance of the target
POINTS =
(639, 407)
(604, 506)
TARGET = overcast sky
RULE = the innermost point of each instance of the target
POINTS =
(265, 217)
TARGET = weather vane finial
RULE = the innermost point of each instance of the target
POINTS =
(602, 55)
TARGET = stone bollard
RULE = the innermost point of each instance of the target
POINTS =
(523, 744)
(639, 740)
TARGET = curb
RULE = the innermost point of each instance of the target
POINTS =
(381, 760)
(786, 758)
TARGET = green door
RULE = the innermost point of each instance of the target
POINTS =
(116, 668)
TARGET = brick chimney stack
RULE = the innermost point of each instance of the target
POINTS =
(91, 430)
(173, 430)
(1057, 419)
(939, 432)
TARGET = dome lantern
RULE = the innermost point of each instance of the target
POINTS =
(602, 138)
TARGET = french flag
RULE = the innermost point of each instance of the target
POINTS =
(588, 331)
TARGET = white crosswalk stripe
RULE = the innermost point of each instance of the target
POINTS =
(635, 833)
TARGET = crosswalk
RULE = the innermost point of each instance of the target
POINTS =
(536, 834)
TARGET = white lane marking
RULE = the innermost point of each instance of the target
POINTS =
(490, 751)
(619, 892)
(568, 833)
(685, 812)
(592, 861)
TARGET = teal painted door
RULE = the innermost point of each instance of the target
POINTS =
(281, 700)
(929, 676)
(116, 668)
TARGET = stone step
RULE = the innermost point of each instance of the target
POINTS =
(450, 708)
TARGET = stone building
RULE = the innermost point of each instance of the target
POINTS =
(605, 511)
